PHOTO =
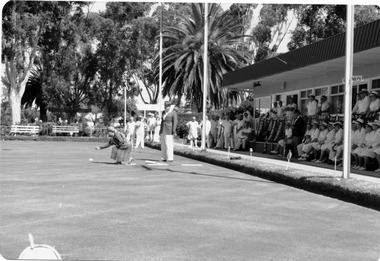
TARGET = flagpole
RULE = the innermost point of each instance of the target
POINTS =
(160, 98)
(205, 76)
(348, 92)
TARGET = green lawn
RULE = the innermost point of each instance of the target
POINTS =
(96, 210)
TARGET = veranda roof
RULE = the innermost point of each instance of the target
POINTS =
(290, 64)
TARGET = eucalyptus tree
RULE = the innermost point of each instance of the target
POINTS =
(24, 24)
(183, 58)
(317, 22)
(120, 52)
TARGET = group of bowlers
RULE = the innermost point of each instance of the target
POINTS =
(122, 146)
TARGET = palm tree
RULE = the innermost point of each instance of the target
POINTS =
(34, 92)
(183, 58)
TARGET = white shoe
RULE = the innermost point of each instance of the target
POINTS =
(304, 155)
(273, 152)
(361, 168)
(377, 170)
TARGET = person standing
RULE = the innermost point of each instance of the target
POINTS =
(167, 132)
(290, 108)
(213, 131)
(122, 146)
(131, 125)
(193, 132)
(312, 108)
(151, 122)
(140, 132)
(324, 107)
(157, 127)
(298, 131)
(208, 131)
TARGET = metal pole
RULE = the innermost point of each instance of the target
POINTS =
(125, 108)
(205, 76)
(348, 92)
(160, 98)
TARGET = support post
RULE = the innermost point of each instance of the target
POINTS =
(205, 76)
(348, 91)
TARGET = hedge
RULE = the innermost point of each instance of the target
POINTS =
(355, 191)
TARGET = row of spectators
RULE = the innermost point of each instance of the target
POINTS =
(368, 104)
(322, 142)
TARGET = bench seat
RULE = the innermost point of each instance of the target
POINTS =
(65, 129)
(25, 129)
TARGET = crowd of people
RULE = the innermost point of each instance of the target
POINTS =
(222, 132)
(318, 137)
(138, 129)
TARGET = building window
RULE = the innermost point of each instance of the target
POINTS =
(321, 91)
(376, 84)
(337, 99)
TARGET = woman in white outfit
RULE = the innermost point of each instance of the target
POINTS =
(368, 152)
(140, 132)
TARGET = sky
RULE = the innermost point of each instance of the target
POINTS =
(101, 6)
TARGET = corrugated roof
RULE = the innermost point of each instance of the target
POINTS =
(365, 37)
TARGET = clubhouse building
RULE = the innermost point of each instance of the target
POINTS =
(318, 69)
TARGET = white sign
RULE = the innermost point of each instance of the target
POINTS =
(356, 78)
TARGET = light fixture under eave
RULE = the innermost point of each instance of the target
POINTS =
(256, 84)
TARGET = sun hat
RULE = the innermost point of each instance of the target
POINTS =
(111, 129)
(338, 123)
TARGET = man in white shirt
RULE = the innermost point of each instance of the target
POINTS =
(362, 105)
(193, 132)
(324, 106)
(280, 110)
(290, 108)
(151, 122)
(312, 107)
(131, 126)
(208, 131)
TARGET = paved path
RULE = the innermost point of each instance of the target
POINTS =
(96, 210)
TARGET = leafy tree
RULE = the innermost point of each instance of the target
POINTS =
(183, 59)
(24, 24)
(122, 51)
(317, 22)
(271, 28)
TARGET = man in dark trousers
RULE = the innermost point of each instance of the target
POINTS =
(167, 132)
(298, 131)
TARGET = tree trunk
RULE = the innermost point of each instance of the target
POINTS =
(43, 112)
(15, 104)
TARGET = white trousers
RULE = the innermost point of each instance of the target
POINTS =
(167, 147)
(139, 140)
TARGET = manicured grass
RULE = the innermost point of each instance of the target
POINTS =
(92, 210)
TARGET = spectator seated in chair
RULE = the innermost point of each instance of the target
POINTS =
(327, 143)
(305, 148)
(243, 137)
(367, 149)
(288, 140)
